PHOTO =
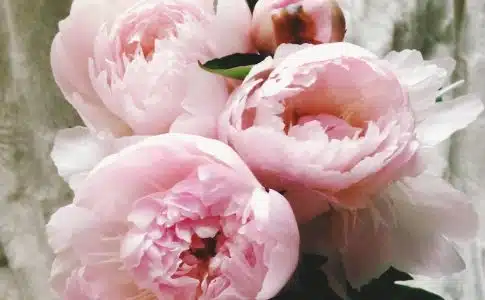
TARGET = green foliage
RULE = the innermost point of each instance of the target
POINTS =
(236, 66)
(309, 283)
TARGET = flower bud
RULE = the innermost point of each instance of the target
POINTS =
(278, 22)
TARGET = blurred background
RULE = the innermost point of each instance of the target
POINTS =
(32, 110)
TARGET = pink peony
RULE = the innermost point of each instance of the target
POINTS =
(173, 217)
(347, 138)
(338, 124)
(131, 66)
(296, 21)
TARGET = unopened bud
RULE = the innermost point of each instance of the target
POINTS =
(277, 22)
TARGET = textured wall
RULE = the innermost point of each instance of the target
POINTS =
(31, 110)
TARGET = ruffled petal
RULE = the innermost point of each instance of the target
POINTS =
(367, 252)
(97, 117)
(443, 119)
(73, 45)
(324, 52)
(279, 225)
(65, 223)
(204, 100)
(77, 288)
(432, 204)
(77, 150)
(421, 78)
(425, 254)
(428, 216)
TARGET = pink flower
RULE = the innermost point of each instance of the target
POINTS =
(296, 21)
(338, 123)
(173, 217)
(131, 67)
(347, 137)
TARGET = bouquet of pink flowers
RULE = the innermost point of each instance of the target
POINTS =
(231, 153)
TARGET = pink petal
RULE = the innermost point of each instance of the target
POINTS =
(66, 222)
(443, 119)
(432, 204)
(280, 225)
(77, 150)
(233, 19)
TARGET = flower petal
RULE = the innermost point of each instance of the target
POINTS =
(431, 204)
(77, 150)
(280, 224)
(66, 223)
(443, 119)
(324, 52)
(233, 18)
(98, 117)
(425, 254)
(421, 78)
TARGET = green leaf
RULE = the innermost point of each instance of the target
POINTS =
(394, 292)
(235, 66)
(392, 275)
(251, 4)
(385, 288)
(310, 283)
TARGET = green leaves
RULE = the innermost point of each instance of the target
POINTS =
(310, 283)
(236, 66)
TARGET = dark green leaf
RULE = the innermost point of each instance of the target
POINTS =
(309, 283)
(236, 73)
(251, 4)
(385, 288)
(235, 60)
(235, 66)
(392, 275)
(393, 292)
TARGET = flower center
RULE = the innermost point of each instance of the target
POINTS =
(335, 126)
(145, 295)
(203, 249)
(143, 38)
(196, 261)
(143, 24)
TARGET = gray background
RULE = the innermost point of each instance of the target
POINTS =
(32, 109)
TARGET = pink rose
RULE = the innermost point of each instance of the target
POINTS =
(338, 124)
(296, 21)
(173, 217)
(131, 67)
